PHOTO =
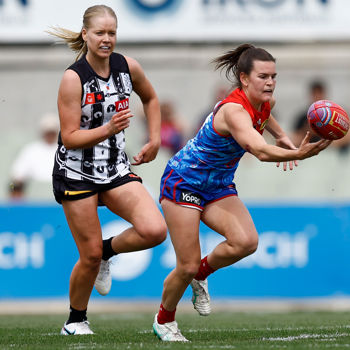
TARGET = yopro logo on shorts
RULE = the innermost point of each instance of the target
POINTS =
(190, 197)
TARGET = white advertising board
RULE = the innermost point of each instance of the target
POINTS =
(184, 20)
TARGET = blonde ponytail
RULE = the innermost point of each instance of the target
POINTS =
(74, 40)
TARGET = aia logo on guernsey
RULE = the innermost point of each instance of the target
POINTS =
(94, 97)
(122, 105)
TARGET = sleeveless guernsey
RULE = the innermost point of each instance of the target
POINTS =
(101, 99)
(209, 160)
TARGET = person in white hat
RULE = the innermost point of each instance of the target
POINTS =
(35, 160)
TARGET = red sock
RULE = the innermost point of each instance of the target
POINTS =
(204, 270)
(165, 316)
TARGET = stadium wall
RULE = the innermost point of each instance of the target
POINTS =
(181, 73)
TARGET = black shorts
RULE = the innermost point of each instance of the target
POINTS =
(68, 189)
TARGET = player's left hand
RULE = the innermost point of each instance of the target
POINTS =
(285, 142)
(147, 154)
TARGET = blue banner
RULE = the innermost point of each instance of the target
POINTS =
(303, 252)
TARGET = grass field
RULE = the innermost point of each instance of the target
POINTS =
(221, 330)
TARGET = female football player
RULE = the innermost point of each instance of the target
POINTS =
(197, 184)
(91, 166)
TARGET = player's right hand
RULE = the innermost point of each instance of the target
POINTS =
(307, 149)
(119, 121)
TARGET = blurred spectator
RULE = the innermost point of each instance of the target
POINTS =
(317, 91)
(171, 130)
(35, 160)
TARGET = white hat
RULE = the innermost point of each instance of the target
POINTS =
(49, 122)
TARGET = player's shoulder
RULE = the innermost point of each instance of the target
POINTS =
(232, 107)
(135, 69)
(79, 65)
(234, 114)
(70, 81)
(70, 74)
(133, 64)
(70, 85)
(70, 78)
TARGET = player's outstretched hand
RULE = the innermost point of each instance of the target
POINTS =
(307, 149)
(147, 154)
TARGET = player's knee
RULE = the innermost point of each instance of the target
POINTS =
(248, 244)
(92, 259)
(189, 270)
(251, 247)
(244, 246)
(154, 233)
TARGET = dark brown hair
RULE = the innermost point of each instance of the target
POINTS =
(241, 60)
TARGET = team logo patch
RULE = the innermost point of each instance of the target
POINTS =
(94, 97)
(190, 197)
(122, 105)
(262, 127)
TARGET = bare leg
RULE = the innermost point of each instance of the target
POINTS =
(85, 227)
(183, 224)
(133, 203)
(230, 218)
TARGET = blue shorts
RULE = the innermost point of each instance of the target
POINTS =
(174, 188)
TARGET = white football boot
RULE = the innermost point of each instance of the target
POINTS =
(76, 328)
(200, 297)
(103, 280)
(168, 331)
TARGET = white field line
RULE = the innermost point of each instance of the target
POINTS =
(268, 329)
(277, 329)
(308, 336)
(79, 346)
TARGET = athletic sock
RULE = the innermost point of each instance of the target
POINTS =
(76, 315)
(108, 251)
(204, 270)
(165, 316)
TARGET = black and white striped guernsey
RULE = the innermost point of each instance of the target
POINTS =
(101, 99)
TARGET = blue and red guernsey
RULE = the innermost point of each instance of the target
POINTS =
(209, 160)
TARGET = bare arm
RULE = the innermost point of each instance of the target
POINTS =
(282, 140)
(235, 120)
(147, 94)
(69, 107)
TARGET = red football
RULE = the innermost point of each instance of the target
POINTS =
(328, 120)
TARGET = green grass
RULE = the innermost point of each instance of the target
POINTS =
(221, 330)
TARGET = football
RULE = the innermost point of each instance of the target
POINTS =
(328, 120)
